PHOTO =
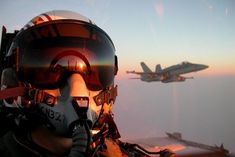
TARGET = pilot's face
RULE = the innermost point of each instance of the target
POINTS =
(69, 99)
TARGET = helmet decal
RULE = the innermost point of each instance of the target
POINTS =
(56, 15)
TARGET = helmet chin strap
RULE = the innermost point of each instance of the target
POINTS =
(12, 92)
(30, 96)
(104, 98)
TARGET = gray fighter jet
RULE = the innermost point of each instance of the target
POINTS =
(169, 74)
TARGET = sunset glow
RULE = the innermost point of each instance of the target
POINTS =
(165, 32)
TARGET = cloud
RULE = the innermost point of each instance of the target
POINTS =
(226, 11)
(159, 8)
(91, 2)
(210, 7)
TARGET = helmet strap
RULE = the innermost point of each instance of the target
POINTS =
(31, 96)
(12, 92)
(106, 96)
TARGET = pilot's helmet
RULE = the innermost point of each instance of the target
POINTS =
(68, 57)
(59, 42)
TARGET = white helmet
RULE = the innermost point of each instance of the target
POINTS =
(70, 62)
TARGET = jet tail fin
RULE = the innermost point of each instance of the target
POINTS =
(145, 68)
(158, 68)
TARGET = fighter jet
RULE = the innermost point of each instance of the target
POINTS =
(169, 74)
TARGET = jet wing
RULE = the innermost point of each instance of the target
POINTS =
(134, 72)
(141, 73)
(182, 148)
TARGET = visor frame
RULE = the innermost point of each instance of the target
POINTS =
(21, 34)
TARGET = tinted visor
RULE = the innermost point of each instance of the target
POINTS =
(49, 53)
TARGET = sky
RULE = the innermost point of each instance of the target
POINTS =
(162, 32)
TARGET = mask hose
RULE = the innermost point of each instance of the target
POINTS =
(81, 139)
(81, 135)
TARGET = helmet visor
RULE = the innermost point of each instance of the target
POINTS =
(49, 53)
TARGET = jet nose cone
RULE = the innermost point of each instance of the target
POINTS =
(203, 66)
(206, 66)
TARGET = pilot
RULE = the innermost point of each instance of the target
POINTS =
(56, 86)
